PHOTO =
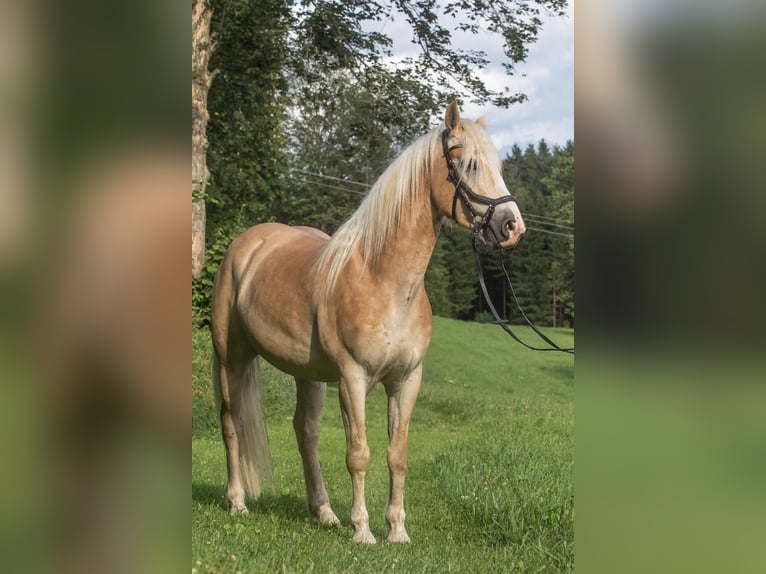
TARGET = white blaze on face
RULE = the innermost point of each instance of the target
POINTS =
(506, 220)
(519, 228)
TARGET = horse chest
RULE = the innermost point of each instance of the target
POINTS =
(389, 345)
(389, 354)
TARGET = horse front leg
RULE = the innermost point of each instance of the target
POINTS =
(353, 394)
(401, 401)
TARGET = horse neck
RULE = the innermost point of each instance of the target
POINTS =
(408, 251)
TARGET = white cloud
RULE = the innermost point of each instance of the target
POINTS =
(547, 79)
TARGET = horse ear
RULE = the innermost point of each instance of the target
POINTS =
(482, 121)
(452, 116)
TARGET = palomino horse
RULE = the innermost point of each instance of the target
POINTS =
(350, 308)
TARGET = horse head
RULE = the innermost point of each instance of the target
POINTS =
(468, 183)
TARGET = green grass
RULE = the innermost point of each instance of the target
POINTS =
(490, 479)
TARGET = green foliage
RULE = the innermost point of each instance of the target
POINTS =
(346, 36)
(560, 187)
(246, 156)
(437, 281)
(216, 246)
(489, 484)
(542, 265)
(451, 281)
(204, 416)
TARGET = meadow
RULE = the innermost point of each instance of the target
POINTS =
(489, 484)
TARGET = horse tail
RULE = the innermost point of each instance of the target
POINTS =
(250, 421)
(250, 425)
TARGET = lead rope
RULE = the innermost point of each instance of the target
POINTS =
(503, 322)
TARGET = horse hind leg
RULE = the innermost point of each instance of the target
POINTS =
(310, 400)
(248, 459)
(235, 493)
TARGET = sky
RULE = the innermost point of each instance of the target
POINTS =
(549, 84)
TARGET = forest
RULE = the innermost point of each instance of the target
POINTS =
(305, 113)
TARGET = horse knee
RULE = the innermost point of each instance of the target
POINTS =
(397, 459)
(358, 458)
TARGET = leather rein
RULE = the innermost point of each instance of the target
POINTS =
(480, 221)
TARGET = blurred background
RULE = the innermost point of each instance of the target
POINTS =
(670, 117)
(95, 295)
(94, 292)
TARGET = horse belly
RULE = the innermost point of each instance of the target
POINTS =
(311, 370)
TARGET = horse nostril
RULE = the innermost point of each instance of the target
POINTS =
(508, 226)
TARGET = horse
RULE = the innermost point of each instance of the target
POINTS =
(349, 309)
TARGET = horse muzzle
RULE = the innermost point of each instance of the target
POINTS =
(505, 228)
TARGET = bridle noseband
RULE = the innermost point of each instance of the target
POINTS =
(469, 196)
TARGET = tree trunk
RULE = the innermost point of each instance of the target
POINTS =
(202, 48)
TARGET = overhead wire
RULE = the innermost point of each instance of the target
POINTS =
(303, 171)
(538, 219)
(570, 235)
(534, 219)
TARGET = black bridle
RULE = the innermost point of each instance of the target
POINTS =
(480, 221)
(463, 191)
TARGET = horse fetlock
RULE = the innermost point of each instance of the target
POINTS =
(395, 516)
(361, 521)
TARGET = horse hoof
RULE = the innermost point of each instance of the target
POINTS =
(364, 538)
(399, 538)
(328, 518)
(238, 509)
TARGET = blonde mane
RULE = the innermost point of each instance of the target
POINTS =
(371, 226)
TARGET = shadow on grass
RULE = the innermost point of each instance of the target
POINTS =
(209, 495)
(284, 506)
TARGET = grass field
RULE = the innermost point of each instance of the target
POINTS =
(490, 479)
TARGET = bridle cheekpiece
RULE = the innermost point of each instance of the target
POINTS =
(469, 196)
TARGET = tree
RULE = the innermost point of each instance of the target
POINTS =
(340, 142)
(342, 35)
(560, 188)
(542, 265)
(277, 57)
(437, 281)
(461, 272)
(202, 48)
(247, 155)
(451, 276)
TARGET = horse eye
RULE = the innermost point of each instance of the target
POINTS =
(472, 167)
